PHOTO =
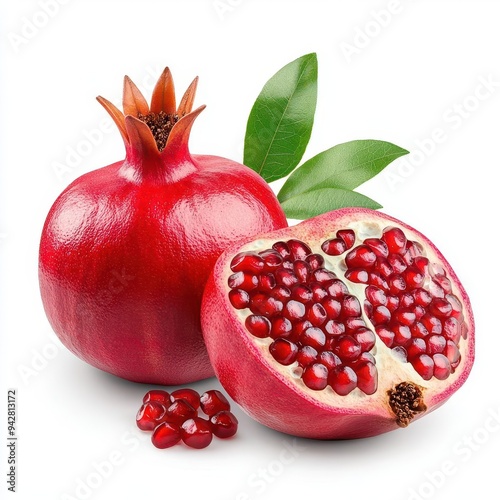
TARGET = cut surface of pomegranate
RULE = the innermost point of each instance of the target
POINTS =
(126, 249)
(354, 324)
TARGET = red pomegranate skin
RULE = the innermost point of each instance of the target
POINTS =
(126, 250)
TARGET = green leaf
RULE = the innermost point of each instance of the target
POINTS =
(344, 166)
(319, 201)
(281, 119)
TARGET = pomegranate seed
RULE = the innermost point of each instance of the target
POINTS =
(267, 282)
(347, 348)
(189, 395)
(418, 330)
(376, 296)
(432, 324)
(361, 256)
(419, 312)
(348, 235)
(343, 380)
(451, 352)
(397, 263)
(443, 282)
(300, 327)
(351, 306)
(413, 277)
(272, 260)
(406, 301)
(179, 411)
(244, 281)
(317, 314)
(334, 246)
(378, 281)
(213, 401)
(319, 293)
(302, 270)
(402, 334)
(422, 264)
(451, 329)
(239, 298)
(368, 308)
(162, 397)
(436, 269)
(282, 248)
(386, 335)
(286, 277)
(280, 327)
(378, 246)
(298, 249)
(455, 304)
(404, 316)
(315, 261)
(150, 414)
(313, 337)
(440, 307)
(315, 376)
(284, 351)
(165, 435)
(329, 359)
(302, 293)
(400, 353)
(258, 326)
(294, 310)
(392, 303)
(352, 324)
(435, 344)
(196, 433)
(424, 366)
(415, 249)
(380, 315)
(365, 357)
(357, 275)
(332, 307)
(336, 289)
(367, 379)
(416, 348)
(321, 275)
(382, 267)
(365, 338)
(395, 239)
(306, 356)
(422, 297)
(442, 366)
(397, 284)
(281, 293)
(224, 424)
(435, 290)
(263, 305)
(250, 262)
(334, 328)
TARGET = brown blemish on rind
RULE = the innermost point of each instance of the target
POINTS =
(160, 125)
(406, 400)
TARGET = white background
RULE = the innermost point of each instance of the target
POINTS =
(420, 68)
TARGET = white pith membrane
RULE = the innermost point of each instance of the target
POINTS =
(390, 368)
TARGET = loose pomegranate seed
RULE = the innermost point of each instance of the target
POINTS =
(367, 378)
(313, 337)
(224, 424)
(150, 414)
(196, 433)
(179, 411)
(298, 249)
(189, 395)
(378, 246)
(317, 314)
(442, 366)
(280, 327)
(247, 261)
(258, 326)
(362, 256)
(424, 366)
(243, 281)
(315, 376)
(239, 298)
(213, 401)
(166, 435)
(348, 235)
(334, 246)
(162, 397)
(306, 356)
(343, 380)
(284, 351)
(395, 239)
(347, 348)
(357, 275)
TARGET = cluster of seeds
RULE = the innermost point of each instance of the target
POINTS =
(174, 417)
(409, 301)
(316, 324)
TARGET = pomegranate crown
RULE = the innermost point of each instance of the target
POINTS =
(155, 128)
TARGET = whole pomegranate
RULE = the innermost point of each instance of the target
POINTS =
(347, 325)
(126, 249)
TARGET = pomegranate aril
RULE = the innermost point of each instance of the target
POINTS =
(392, 302)
(351, 306)
(361, 256)
(400, 353)
(319, 292)
(179, 411)
(357, 275)
(422, 264)
(382, 267)
(414, 249)
(443, 282)
(224, 424)
(367, 378)
(300, 327)
(402, 334)
(442, 366)
(283, 351)
(267, 282)
(213, 401)
(158, 395)
(302, 270)
(418, 330)
(272, 260)
(424, 366)
(165, 435)
(332, 307)
(281, 293)
(294, 310)
(336, 289)
(315, 376)
(378, 246)
(286, 277)
(435, 344)
(250, 262)
(280, 327)
(262, 304)
(347, 348)
(321, 275)
(435, 290)
(416, 347)
(452, 352)
(365, 338)
(395, 239)
(397, 263)
(317, 314)
(386, 335)
(406, 301)
(343, 380)
(440, 308)
(404, 317)
(422, 297)
(298, 249)
(451, 329)
(419, 312)
(397, 284)
(315, 261)
(329, 359)
(196, 433)
(282, 248)
(150, 414)
(432, 324)
(189, 395)
(352, 324)
(306, 356)
(334, 328)
(378, 281)
(313, 337)
(334, 246)
(413, 277)
(376, 296)
(380, 315)
(243, 281)
(239, 298)
(455, 304)
(348, 235)
(258, 326)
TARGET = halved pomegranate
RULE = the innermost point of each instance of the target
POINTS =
(347, 325)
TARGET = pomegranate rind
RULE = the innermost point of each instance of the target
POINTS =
(268, 392)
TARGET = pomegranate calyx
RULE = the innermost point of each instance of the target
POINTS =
(406, 400)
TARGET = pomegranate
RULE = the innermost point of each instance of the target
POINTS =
(126, 249)
(346, 325)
